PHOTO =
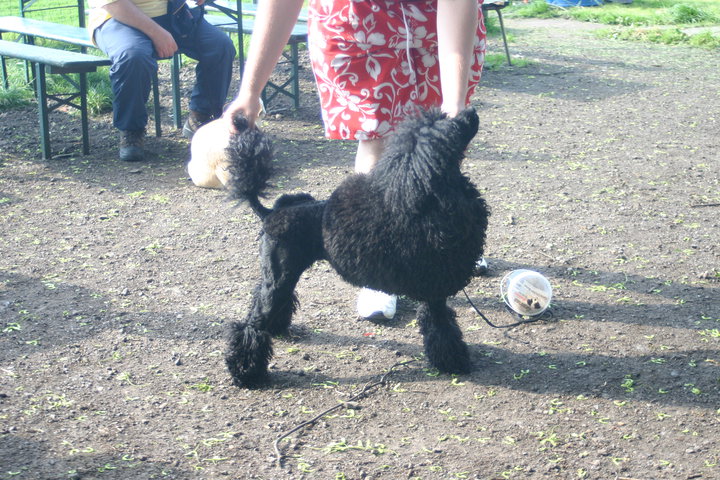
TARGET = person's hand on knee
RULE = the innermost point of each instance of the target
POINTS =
(164, 43)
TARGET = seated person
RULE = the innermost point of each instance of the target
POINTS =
(135, 34)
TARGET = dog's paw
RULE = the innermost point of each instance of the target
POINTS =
(249, 352)
(251, 382)
(456, 362)
(244, 375)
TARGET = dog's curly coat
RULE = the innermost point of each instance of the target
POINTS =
(414, 226)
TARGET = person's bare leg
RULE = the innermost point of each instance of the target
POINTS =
(372, 303)
(457, 22)
(368, 154)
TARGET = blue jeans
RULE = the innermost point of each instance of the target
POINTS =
(134, 63)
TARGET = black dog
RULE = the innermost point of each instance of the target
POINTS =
(414, 226)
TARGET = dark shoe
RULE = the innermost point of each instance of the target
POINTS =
(194, 121)
(131, 145)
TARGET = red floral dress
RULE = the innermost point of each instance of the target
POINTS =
(376, 60)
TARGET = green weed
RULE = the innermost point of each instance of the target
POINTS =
(705, 40)
(364, 446)
(15, 97)
(628, 384)
(203, 386)
(537, 9)
(683, 13)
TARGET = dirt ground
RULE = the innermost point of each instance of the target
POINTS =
(600, 162)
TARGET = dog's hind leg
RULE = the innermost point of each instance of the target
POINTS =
(444, 346)
(273, 304)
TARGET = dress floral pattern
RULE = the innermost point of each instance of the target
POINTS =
(376, 60)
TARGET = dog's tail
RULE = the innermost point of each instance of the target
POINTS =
(250, 154)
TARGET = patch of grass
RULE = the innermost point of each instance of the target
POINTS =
(705, 40)
(647, 20)
(683, 13)
(648, 12)
(15, 97)
(99, 92)
(672, 36)
(495, 61)
(203, 386)
(536, 9)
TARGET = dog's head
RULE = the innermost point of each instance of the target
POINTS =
(433, 137)
(424, 152)
(449, 135)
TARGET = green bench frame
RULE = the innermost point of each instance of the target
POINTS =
(496, 6)
(50, 60)
(233, 22)
(30, 28)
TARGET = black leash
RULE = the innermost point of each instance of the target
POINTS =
(523, 321)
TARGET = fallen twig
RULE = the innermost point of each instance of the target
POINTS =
(698, 205)
(362, 393)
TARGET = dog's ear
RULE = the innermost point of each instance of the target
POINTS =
(240, 122)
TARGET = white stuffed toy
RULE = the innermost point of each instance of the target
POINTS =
(208, 160)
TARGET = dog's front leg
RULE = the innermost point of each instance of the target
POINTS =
(442, 337)
(249, 352)
(273, 304)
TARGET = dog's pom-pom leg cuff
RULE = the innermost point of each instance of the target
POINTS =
(248, 355)
(444, 346)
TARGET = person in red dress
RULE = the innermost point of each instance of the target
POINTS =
(375, 62)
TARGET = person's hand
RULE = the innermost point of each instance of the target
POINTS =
(250, 107)
(164, 43)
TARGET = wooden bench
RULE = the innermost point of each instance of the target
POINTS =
(233, 22)
(80, 36)
(62, 62)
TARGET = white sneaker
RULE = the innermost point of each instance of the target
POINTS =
(374, 303)
(481, 267)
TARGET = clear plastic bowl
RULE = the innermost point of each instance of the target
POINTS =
(526, 292)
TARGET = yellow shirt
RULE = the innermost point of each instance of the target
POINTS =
(98, 16)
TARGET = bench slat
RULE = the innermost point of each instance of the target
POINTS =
(62, 59)
(223, 22)
(250, 9)
(52, 31)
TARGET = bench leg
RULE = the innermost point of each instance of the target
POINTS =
(295, 59)
(84, 113)
(502, 29)
(28, 66)
(6, 82)
(175, 78)
(43, 111)
(156, 105)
